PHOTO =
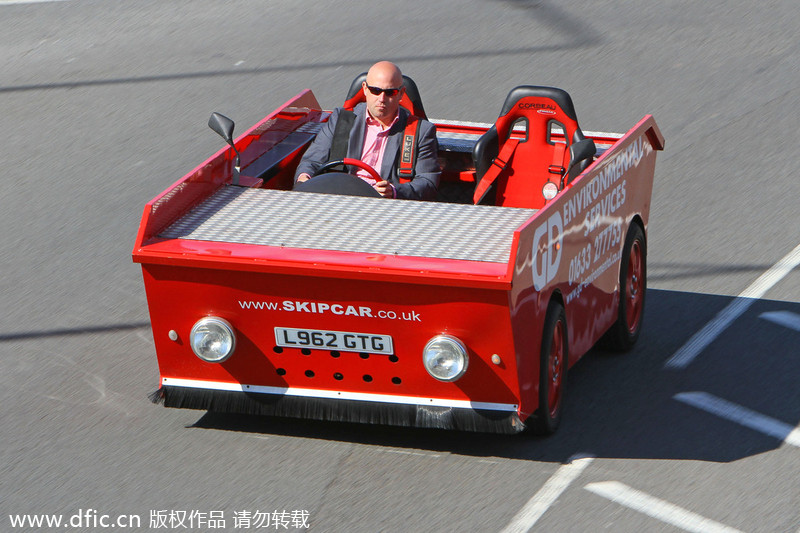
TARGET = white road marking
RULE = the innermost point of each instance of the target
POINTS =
(146, 335)
(656, 508)
(549, 493)
(742, 416)
(404, 452)
(700, 340)
(12, 2)
(783, 318)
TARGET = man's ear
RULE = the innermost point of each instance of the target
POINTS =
(364, 87)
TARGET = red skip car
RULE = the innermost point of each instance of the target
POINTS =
(465, 313)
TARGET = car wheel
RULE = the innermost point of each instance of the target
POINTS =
(632, 288)
(553, 365)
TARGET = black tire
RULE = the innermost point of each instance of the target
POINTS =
(624, 333)
(553, 364)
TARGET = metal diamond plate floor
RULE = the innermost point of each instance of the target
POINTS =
(352, 224)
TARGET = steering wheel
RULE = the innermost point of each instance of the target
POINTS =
(338, 183)
(348, 161)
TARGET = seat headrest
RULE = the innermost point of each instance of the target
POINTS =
(540, 103)
(410, 100)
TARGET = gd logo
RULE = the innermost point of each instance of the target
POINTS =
(547, 241)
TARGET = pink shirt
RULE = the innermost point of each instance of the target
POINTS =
(375, 138)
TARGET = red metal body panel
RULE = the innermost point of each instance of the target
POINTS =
(256, 304)
(218, 169)
(572, 248)
(568, 250)
(324, 263)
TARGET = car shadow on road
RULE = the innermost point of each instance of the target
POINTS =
(629, 405)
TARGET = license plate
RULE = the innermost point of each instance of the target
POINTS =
(333, 340)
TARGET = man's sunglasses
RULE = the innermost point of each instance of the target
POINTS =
(389, 92)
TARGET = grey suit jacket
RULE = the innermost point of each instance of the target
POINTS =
(426, 172)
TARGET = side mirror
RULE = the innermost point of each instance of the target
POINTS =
(223, 126)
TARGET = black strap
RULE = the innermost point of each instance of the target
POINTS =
(341, 135)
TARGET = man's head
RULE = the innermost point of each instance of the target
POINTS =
(383, 106)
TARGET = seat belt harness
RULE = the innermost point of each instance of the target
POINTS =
(341, 135)
(498, 165)
(408, 154)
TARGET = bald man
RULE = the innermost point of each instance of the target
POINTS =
(376, 138)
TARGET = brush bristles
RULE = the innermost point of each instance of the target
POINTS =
(390, 414)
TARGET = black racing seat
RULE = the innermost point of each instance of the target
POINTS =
(545, 150)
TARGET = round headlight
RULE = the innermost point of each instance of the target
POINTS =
(212, 339)
(445, 358)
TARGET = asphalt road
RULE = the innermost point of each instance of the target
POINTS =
(104, 104)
